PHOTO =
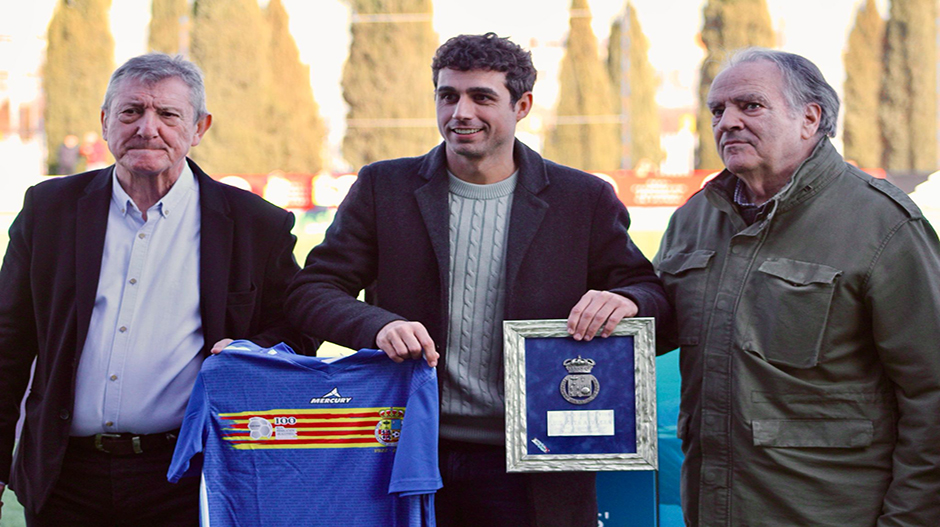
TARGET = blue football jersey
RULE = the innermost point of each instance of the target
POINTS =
(286, 439)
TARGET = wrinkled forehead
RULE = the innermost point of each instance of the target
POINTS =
(757, 77)
(166, 91)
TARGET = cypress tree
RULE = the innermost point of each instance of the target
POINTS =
(165, 25)
(587, 132)
(908, 111)
(863, 69)
(230, 42)
(79, 62)
(729, 25)
(294, 119)
(644, 126)
(387, 81)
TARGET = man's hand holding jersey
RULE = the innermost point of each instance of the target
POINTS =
(402, 339)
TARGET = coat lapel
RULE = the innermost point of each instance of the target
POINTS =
(528, 210)
(91, 223)
(432, 202)
(215, 253)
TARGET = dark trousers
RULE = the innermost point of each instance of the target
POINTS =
(478, 491)
(101, 489)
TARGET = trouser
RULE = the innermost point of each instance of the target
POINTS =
(478, 491)
(101, 489)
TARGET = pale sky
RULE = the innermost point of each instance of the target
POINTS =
(813, 28)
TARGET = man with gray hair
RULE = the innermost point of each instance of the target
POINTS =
(807, 296)
(118, 283)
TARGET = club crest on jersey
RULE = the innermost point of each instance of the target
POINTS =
(388, 429)
(333, 397)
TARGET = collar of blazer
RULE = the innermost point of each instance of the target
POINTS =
(533, 174)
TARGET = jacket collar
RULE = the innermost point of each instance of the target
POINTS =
(532, 171)
(815, 172)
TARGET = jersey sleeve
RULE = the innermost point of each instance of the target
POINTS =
(415, 470)
(187, 458)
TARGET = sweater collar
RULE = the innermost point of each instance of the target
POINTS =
(530, 167)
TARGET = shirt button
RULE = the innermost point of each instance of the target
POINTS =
(141, 236)
(114, 377)
(109, 423)
(709, 419)
(710, 477)
(63, 414)
(737, 249)
(122, 329)
(133, 281)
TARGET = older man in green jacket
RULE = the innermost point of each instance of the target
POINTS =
(807, 296)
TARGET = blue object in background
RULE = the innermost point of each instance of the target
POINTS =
(626, 499)
(668, 386)
(629, 498)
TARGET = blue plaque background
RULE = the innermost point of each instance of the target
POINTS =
(615, 372)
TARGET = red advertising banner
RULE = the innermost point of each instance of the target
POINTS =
(634, 188)
(655, 190)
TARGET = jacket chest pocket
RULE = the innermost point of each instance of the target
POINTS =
(791, 309)
(813, 433)
(685, 276)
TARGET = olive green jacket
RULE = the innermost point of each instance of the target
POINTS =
(810, 353)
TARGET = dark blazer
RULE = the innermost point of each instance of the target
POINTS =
(48, 284)
(567, 235)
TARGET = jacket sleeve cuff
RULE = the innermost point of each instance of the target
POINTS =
(650, 301)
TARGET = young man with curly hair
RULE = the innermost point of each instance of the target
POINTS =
(479, 230)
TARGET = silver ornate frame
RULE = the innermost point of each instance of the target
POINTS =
(515, 333)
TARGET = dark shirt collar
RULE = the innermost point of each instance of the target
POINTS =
(749, 211)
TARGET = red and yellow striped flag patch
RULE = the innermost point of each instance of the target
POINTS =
(319, 428)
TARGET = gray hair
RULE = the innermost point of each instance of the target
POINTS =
(155, 67)
(803, 83)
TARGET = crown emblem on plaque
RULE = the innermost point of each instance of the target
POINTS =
(579, 365)
(579, 386)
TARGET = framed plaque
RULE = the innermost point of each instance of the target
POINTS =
(574, 405)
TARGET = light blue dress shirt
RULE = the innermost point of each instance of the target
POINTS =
(142, 353)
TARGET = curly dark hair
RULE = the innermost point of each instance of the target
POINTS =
(488, 52)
